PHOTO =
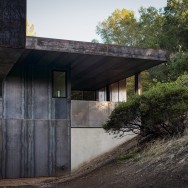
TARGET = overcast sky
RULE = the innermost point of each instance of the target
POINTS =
(77, 19)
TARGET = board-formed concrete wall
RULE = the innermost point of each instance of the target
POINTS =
(88, 143)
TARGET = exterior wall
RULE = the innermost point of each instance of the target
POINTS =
(118, 91)
(101, 95)
(1, 107)
(88, 143)
(13, 23)
(88, 138)
(35, 127)
(90, 113)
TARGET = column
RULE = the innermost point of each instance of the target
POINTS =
(138, 85)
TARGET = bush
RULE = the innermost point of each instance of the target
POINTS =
(159, 112)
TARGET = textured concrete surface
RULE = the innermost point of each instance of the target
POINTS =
(1, 107)
(13, 23)
(88, 143)
(90, 113)
(35, 127)
(8, 57)
(93, 66)
(31, 148)
(37, 43)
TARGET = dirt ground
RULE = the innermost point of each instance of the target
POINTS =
(165, 166)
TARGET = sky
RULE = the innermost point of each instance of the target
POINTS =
(77, 19)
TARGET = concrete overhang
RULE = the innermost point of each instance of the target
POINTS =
(92, 65)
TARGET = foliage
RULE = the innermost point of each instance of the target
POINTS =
(119, 28)
(176, 25)
(159, 112)
(95, 41)
(166, 28)
(30, 29)
(131, 155)
(176, 66)
(150, 28)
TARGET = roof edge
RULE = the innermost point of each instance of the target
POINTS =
(69, 46)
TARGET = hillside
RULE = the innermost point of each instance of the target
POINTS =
(163, 164)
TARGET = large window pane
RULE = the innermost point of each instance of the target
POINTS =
(83, 95)
(59, 84)
(89, 95)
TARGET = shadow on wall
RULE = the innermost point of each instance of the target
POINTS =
(1, 88)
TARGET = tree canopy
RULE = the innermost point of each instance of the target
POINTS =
(30, 29)
(166, 28)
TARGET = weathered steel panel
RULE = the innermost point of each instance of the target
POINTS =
(90, 113)
(1, 148)
(13, 23)
(60, 108)
(62, 146)
(36, 126)
(79, 113)
(122, 91)
(14, 95)
(13, 148)
(28, 95)
(1, 86)
(27, 92)
(30, 170)
(98, 113)
(41, 147)
(114, 92)
(40, 93)
(1, 107)
(51, 148)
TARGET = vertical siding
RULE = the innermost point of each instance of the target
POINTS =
(114, 92)
(1, 148)
(35, 129)
(13, 148)
(1, 107)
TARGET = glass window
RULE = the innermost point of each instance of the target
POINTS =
(89, 95)
(76, 95)
(83, 95)
(59, 84)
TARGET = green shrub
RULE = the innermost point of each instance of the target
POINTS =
(159, 112)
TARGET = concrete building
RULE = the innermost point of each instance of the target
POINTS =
(42, 131)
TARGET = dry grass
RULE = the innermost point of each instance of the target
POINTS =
(156, 148)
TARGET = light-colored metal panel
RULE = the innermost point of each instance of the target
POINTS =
(114, 96)
(122, 91)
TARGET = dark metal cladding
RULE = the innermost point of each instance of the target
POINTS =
(12, 23)
(35, 127)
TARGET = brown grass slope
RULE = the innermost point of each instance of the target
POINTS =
(162, 164)
(159, 164)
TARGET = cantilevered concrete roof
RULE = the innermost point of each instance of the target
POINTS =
(92, 65)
